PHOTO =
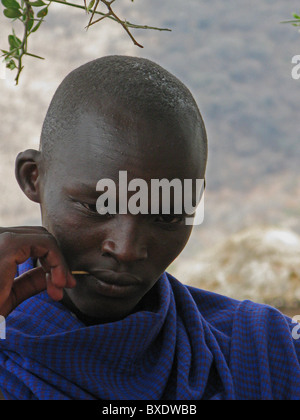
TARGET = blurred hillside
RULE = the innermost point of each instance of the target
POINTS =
(260, 264)
(235, 57)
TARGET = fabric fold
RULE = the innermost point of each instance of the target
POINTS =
(190, 345)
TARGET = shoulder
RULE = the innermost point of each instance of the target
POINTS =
(260, 344)
(217, 308)
(248, 319)
(265, 345)
(246, 322)
(264, 327)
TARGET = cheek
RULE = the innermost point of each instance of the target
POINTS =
(167, 247)
(70, 231)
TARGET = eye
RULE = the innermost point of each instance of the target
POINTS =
(91, 207)
(169, 219)
(92, 210)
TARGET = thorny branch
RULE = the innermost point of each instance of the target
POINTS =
(25, 12)
(111, 13)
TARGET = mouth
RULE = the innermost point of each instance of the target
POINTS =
(109, 283)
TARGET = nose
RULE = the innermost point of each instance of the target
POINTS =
(126, 241)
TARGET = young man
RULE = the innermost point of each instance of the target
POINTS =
(124, 328)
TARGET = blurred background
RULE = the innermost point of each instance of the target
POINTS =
(235, 57)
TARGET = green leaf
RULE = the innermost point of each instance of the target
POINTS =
(14, 42)
(12, 13)
(42, 13)
(30, 24)
(91, 4)
(10, 4)
(37, 3)
(11, 65)
(36, 27)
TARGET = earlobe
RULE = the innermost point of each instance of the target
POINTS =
(28, 173)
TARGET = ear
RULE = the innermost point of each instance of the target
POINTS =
(28, 169)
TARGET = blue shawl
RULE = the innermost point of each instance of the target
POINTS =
(190, 345)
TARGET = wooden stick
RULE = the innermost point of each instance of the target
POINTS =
(79, 272)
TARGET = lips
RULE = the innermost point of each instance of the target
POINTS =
(110, 283)
(114, 278)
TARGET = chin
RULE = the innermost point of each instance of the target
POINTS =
(98, 310)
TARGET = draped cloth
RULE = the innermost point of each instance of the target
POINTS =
(190, 344)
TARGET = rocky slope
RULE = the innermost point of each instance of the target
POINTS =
(261, 264)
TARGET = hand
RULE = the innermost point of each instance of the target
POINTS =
(16, 246)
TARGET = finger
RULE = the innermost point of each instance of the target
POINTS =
(58, 269)
(16, 248)
(71, 281)
(56, 293)
(52, 260)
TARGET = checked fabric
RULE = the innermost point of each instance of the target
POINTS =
(190, 344)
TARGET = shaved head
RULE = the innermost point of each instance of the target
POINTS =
(121, 90)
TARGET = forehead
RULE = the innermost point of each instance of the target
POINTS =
(99, 146)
